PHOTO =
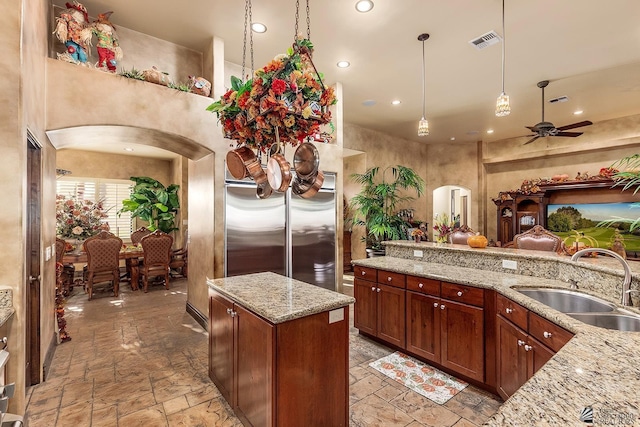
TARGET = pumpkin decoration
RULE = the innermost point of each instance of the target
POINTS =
(478, 241)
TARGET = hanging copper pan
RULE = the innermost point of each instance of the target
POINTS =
(263, 190)
(279, 173)
(256, 171)
(306, 161)
(308, 188)
(237, 160)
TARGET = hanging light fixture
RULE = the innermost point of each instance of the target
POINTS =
(502, 104)
(423, 125)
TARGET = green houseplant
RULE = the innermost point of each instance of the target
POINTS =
(375, 207)
(153, 203)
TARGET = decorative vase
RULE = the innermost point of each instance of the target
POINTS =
(77, 245)
(442, 238)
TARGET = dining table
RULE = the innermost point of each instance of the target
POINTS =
(130, 255)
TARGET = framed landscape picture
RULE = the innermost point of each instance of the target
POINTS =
(565, 219)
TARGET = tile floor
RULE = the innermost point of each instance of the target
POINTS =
(141, 360)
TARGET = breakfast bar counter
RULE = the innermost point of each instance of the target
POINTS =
(596, 375)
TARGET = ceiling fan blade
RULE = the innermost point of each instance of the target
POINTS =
(575, 125)
(571, 134)
(531, 140)
(531, 128)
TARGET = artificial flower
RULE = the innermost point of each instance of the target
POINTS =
(78, 219)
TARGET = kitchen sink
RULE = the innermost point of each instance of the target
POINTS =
(617, 321)
(566, 301)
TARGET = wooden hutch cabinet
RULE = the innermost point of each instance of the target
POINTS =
(519, 210)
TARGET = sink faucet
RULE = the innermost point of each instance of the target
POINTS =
(626, 284)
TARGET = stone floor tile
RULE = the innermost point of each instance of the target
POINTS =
(175, 405)
(42, 419)
(77, 392)
(213, 413)
(152, 416)
(134, 404)
(365, 387)
(105, 417)
(375, 412)
(76, 415)
(206, 393)
(464, 423)
(389, 392)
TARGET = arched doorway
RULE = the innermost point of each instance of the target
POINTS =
(455, 201)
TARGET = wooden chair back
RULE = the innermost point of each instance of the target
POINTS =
(157, 256)
(103, 263)
(538, 239)
(60, 245)
(137, 235)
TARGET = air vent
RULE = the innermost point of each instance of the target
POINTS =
(485, 40)
(559, 99)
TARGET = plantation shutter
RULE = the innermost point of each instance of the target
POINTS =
(111, 191)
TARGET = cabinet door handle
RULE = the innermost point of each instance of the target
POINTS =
(459, 293)
(528, 348)
(547, 334)
(520, 343)
(442, 307)
(229, 311)
(509, 310)
(234, 313)
(363, 273)
(435, 304)
(420, 285)
(388, 279)
(373, 288)
(378, 289)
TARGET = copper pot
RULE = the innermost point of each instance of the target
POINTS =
(278, 173)
(306, 161)
(308, 188)
(243, 162)
(263, 190)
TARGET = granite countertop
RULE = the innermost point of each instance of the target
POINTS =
(597, 368)
(6, 305)
(278, 298)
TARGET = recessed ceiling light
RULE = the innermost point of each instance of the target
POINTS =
(369, 102)
(490, 131)
(128, 149)
(578, 112)
(343, 64)
(396, 102)
(453, 138)
(364, 6)
(259, 27)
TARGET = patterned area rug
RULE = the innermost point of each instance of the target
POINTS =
(419, 377)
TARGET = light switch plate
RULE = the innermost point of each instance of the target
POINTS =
(511, 265)
(417, 253)
(47, 253)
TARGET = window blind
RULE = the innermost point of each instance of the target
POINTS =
(111, 191)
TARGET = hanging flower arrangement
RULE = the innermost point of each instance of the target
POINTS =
(287, 93)
(79, 219)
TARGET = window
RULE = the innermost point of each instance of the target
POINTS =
(111, 191)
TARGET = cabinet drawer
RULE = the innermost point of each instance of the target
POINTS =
(550, 334)
(392, 279)
(512, 311)
(365, 273)
(423, 285)
(462, 293)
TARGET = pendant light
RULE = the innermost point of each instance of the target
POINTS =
(502, 104)
(423, 125)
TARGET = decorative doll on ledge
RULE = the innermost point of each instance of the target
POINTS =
(72, 30)
(109, 52)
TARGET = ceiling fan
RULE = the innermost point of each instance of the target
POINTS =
(544, 129)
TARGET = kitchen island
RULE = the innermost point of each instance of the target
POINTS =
(598, 369)
(279, 350)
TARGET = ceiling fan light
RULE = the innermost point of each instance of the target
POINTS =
(423, 127)
(503, 108)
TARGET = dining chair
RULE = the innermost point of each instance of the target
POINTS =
(460, 235)
(137, 235)
(539, 239)
(179, 261)
(157, 257)
(68, 269)
(103, 263)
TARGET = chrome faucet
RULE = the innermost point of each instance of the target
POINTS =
(626, 284)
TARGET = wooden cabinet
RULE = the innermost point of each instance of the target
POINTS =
(520, 349)
(444, 331)
(380, 307)
(241, 360)
(292, 373)
(517, 213)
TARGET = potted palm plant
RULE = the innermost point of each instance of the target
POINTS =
(375, 207)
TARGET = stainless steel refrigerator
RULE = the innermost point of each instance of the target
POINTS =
(284, 233)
